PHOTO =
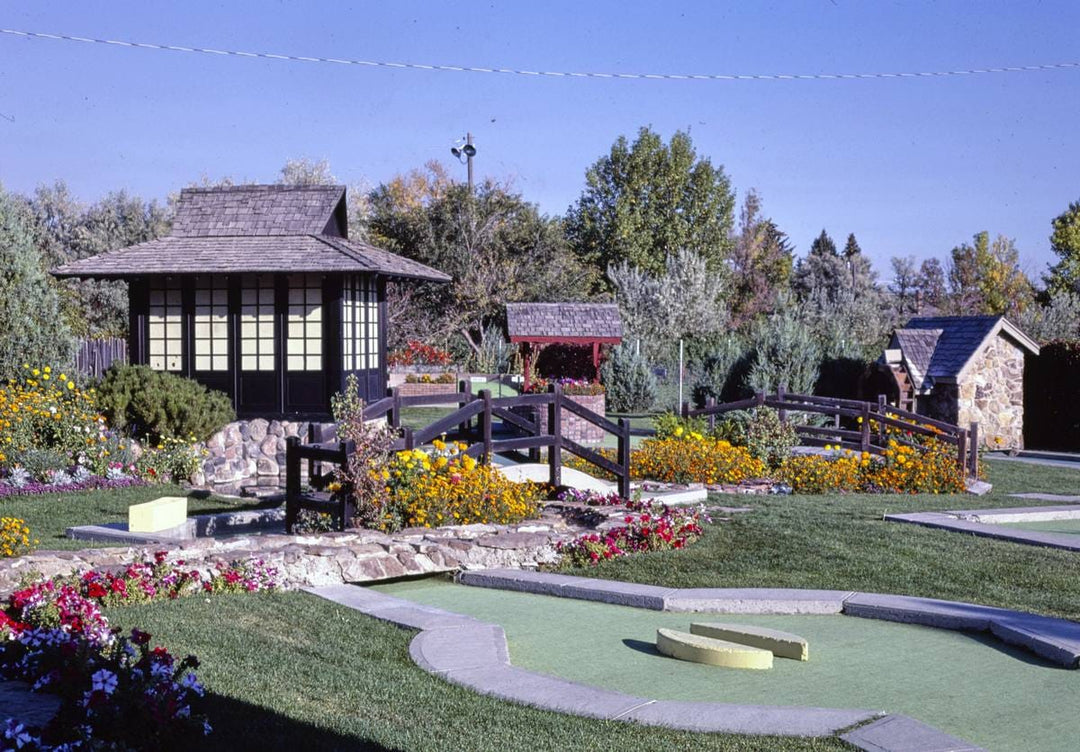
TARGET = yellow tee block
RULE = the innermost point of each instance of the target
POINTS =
(690, 647)
(157, 515)
(780, 644)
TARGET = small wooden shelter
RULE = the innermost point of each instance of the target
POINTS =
(533, 325)
(259, 292)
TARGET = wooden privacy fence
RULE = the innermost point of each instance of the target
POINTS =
(851, 424)
(94, 356)
(854, 424)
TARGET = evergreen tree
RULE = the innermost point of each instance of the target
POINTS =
(822, 273)
(786, 352)
(761, 263)
(32, 331)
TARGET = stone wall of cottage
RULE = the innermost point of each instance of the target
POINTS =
(990, 392)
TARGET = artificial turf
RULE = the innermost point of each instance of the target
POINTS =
(970, 685)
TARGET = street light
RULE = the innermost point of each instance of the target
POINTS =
(465, 153)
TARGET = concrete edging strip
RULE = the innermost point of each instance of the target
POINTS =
(950, 521)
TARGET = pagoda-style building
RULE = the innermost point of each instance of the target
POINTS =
(259, 292)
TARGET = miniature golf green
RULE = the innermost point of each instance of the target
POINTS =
(1069, 526)
(970, 685)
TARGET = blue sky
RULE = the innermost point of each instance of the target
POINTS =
(911, 166)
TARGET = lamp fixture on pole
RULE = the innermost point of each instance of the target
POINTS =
(465, 152)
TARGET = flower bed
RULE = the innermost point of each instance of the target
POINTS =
(116, 692)
(447, 487)
(648, 526)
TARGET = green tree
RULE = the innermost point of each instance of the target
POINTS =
(822, 273)
(985, 277)
(905, 285)
(496, 246)
(786, 352)
(931, 287)
(31, 327)
(761, 263)
(1065, 242)
(646, 200)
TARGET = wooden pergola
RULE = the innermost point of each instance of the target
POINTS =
(534, 325)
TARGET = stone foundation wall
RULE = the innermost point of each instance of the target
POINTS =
(577, 428)
(248, 453)
(991, 393)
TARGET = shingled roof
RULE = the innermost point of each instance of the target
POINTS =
(568, 322)
(248, 229)
(956, 340)
(917, 348)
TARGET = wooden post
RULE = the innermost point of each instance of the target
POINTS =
(961, 450)
(974, 460)
(781, 392)
(624, 458)
(596, 360)
(555, 429)
(760, 397)
(465, 394)
(347, 507)
(709, 404)
(881, 406)
(485, 422)
(408, 435)
(395, 410)
(292, 481)
(526, 366)
(864, 429)
(685, 410)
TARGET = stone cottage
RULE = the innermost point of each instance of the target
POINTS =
(963, 369)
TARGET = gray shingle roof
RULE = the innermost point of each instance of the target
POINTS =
(242, 229)
(917, 346)
(563, 320)
(293, 253)
(961, 337)
(256, 210)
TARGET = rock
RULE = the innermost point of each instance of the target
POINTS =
(266, 466)
(256, 429)
(513, 540)
(977, 487)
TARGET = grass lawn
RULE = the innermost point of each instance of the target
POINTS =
(49, 515)
(287, 670)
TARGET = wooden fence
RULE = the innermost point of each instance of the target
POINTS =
(94, 356)
(851, 424)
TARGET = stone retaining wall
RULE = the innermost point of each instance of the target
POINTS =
(248, 453)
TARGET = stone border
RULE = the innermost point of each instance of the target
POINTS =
(474, 654)
(972, 521)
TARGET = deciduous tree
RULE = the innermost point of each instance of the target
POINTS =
(1065, 242)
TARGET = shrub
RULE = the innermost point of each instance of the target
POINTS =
(817, 474)
(447, 487)
(45, 411)
(768, 438)
(694, 460)
(161, 404)
(363, 479)
(170, 460)
(673, 426)
(630, 383)
(15, 537)
(417, 353)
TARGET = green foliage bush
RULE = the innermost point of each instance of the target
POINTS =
(161, 405)
(768, 438)
(630, 383)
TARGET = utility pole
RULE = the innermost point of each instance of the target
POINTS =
(465, 154)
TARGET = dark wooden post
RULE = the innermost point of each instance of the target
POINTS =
(408, 435)
(624, 458)
(685, 410)
(395, 410)
(882, 409)
(974, 461)
(864, 429)
(555, 429)
(961, 450)
(292, 481)
(709, 404)
(781, 392)
(465, 395)
(485, 422)
(760, 397)
(348, 505)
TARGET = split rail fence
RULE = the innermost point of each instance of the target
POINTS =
(512, 425)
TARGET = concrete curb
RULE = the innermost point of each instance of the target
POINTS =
(956, 522)
(474, 654)
(898, 733)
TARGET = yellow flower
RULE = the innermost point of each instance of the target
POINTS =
(70, 384)
(678, 431)
(48, 369)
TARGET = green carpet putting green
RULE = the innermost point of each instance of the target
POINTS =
(970, 685)
(1072, 527)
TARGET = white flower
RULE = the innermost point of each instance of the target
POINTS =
(104, 680)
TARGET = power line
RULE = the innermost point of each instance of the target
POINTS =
(553, 74)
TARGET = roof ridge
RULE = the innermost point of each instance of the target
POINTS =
(332, 241)
(267, 187)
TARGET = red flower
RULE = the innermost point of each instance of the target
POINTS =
(96, 590)
(139, 637)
